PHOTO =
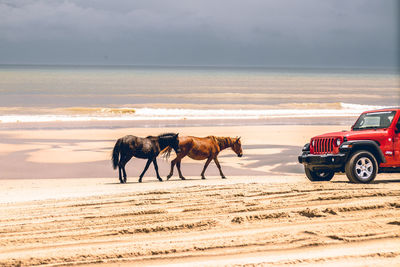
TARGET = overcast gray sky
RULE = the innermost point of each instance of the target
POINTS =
(202, 32)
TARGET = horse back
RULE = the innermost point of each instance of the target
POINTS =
(139, 147)
(199, 147)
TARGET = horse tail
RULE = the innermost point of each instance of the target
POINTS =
(166, 152)
(115, 153)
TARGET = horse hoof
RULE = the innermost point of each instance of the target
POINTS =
(223, 177)
(140, 181)
(183, 178)
(203, 178)
(160, 179)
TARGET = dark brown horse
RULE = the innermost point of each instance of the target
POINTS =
(200, 148)
(145, 148)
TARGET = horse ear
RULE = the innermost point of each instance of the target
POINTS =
(237, 139)
(177, 135)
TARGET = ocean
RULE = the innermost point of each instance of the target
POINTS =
(35, 93)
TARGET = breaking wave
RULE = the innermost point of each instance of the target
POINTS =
(129, 114)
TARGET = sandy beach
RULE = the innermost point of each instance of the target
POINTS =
(270, 220)
(265, 213)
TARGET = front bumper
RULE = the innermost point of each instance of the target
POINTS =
(324, 161)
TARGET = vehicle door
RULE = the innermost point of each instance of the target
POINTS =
(396, 143)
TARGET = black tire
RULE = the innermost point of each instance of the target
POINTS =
(319, 176)
(362, 167)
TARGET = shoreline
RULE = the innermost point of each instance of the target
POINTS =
(186, 114)
(174, 123)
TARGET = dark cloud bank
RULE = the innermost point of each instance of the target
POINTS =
(337, 33)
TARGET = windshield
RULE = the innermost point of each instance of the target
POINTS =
(374, 120)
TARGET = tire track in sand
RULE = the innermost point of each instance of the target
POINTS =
(196, 221)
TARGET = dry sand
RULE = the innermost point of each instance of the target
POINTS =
(265, 213)
(238, 221)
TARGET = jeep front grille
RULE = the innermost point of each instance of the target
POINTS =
(323, 145)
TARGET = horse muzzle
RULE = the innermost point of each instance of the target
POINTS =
(240, 155)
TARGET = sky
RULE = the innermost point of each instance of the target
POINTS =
(310, 33)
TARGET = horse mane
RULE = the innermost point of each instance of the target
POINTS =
(166, 152)
(167, 135)
(223, 141)
(164, 135)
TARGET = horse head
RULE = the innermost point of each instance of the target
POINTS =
(237, 147)
(175, 143)
(170, 140)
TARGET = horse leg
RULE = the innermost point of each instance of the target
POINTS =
(219, 168)
(123, 162)
(145, 169)
(178, 166)
(171, 172)
(205, 167)
(120, 164)
(156, 168)
(123, 170)
(177, 161)
(121, 167)
(120, 175)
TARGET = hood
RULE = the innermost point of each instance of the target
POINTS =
(357, 135)
(334, 134)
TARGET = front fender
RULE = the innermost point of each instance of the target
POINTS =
(349, 147)
(306, 147)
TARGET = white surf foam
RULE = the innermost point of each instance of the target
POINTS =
(345, 109)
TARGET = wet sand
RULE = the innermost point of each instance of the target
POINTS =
(86, 153)
(265, 213)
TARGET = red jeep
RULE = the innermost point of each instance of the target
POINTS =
(372, 146)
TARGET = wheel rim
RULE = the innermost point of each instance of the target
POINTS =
(364, 168)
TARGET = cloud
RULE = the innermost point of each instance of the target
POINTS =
(254, 32)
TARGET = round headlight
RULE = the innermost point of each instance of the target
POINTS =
(338, 141)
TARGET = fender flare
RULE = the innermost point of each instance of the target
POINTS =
(349, 147)
(306, 148)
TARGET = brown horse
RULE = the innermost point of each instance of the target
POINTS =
(200, 148)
